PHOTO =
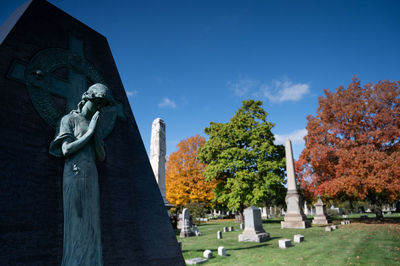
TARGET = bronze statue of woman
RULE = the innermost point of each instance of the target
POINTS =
(78, 141)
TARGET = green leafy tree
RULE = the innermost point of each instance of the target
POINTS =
(242, 157)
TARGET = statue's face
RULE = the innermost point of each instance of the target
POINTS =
(95, 105)
(91, 106)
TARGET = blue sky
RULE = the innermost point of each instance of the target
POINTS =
(192, 62)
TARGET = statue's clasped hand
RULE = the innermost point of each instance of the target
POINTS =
(93, 122)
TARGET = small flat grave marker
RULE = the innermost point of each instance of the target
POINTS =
(298, 238)
(328, 229)
(196, 261)
(285, 243)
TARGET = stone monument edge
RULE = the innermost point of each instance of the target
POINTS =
(15, 17)
(12, 20)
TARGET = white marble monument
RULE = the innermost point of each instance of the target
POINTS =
(253, 229)
(320, 213)
(306, 212)
(186, 230)
(157, 156)
(294, 217)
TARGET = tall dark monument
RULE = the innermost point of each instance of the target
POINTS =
(48, 60)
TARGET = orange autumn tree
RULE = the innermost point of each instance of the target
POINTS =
(353, 144)
(183, 176)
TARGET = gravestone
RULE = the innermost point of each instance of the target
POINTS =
(306, 212)
(221, 251)
(207, 254)
(298, 238)
(320, 213)
(157, 156)
(219, 235)
(48, 60)
(253, 229)
(195, 261)
(196, 230)
(294, 216)
(285, 243)
(186, 230)
(328, 229)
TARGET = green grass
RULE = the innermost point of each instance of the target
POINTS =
(354, 244)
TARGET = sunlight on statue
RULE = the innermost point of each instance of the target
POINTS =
(78, 139)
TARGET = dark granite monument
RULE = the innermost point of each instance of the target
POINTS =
(48, 62)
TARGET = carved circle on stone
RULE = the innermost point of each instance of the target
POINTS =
(38, 75)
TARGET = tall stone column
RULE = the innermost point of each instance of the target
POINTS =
(294, 217)
(158, 152)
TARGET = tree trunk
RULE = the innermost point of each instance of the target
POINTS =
(378, 213)
(351, 205)
(239, 216)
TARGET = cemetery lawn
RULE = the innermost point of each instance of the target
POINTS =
(355, 244)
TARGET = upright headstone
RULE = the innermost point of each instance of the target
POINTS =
(264, 212)
(320, 213)
(272, 214)
(157, 156)
(294, 217)
(253, 229)
(186, 230)
(221, 251)
(48, 60)
(219, 235)
(306, 212)
(196, 230)
(207, 254)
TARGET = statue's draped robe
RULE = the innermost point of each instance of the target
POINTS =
(82, 235)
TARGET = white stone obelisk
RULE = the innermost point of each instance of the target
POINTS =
(294, 217)
(158, 152)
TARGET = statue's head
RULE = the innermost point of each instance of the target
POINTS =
(97, 93)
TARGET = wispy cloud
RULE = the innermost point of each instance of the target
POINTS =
(166, 102)
(274, 91)
(281, 91)
(242, 86)
(131, 93)
(297, 137)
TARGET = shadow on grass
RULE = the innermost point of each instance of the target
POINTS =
(241, 248)
(251, 247)
(386, 220)
(272, 221)
(216, 250)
